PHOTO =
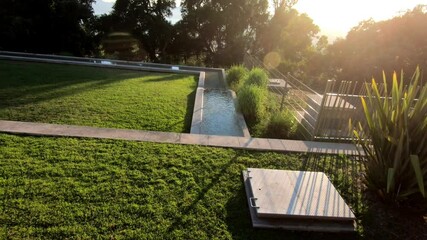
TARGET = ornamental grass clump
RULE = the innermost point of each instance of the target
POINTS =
(252, 102)
(257, 77)
(395, 139)
(282, 125)
(235, 76)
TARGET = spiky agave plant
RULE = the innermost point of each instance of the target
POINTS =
(394, 139)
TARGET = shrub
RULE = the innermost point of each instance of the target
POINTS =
(282, 125)
(395, 139)
(235, 76)
(252, 101)
(258, 77)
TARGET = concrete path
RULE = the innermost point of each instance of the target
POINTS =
(44, 129)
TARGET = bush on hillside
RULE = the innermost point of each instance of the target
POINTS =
(258, 77)
(252, 101)
(235, 76)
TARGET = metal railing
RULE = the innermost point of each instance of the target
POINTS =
(302, 100)
(322, 116)
(340, 103)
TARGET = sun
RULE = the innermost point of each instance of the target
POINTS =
(337, 17)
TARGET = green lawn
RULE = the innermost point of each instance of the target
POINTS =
(64, 94)
(58, 188)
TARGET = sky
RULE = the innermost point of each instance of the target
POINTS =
(334, 17)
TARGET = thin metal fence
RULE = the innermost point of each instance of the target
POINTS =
(322, 116)
(293, 94)
(341, 102)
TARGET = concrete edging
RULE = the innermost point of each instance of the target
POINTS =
(89, 64)
(196, 122)
(277, 145)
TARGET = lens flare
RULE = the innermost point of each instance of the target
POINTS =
(272, 60)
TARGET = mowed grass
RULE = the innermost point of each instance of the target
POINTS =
(89, 96)
(68, 188)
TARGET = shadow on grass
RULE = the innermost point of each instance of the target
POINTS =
(26, 83)
(215, 179)
(190, 104)
(344, 173)
(189, 111)
(170, 77)
(388, 221)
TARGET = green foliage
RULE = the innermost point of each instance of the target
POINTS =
(98, 97)
(395, 139)
(397, 43)
(282, 125)
(54, 26)
(252, 102)
(144, 20)
(257, 77)
(235, 76)
(69, 188)
(221, 30)
(289, 34)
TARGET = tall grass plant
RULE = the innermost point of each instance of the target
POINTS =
(235, 77)
(252, 102)
(257, 77)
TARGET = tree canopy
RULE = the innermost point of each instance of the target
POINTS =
(47, 26)
(371, 47)
(216, 33)
(143, 20)
(223, 28)
(289, 36)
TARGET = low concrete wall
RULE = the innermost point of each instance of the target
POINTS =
(196, 122)
(100, 65)
(145, 65)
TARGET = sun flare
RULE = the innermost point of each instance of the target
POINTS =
(337, 17)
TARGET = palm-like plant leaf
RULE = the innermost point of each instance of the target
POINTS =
(395, 137)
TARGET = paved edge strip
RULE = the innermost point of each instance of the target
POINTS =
(277, 145)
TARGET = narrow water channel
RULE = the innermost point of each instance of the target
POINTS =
(219, 114)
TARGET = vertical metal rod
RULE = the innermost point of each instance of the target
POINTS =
(282, 102)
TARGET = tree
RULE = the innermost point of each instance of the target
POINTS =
(47, 26)
(146, 21)
(185, 47)
(283, 4)
(290, 35)
(396, 44)
(225, 28)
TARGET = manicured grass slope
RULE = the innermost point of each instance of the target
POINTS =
(98, 97)
(57, 188)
